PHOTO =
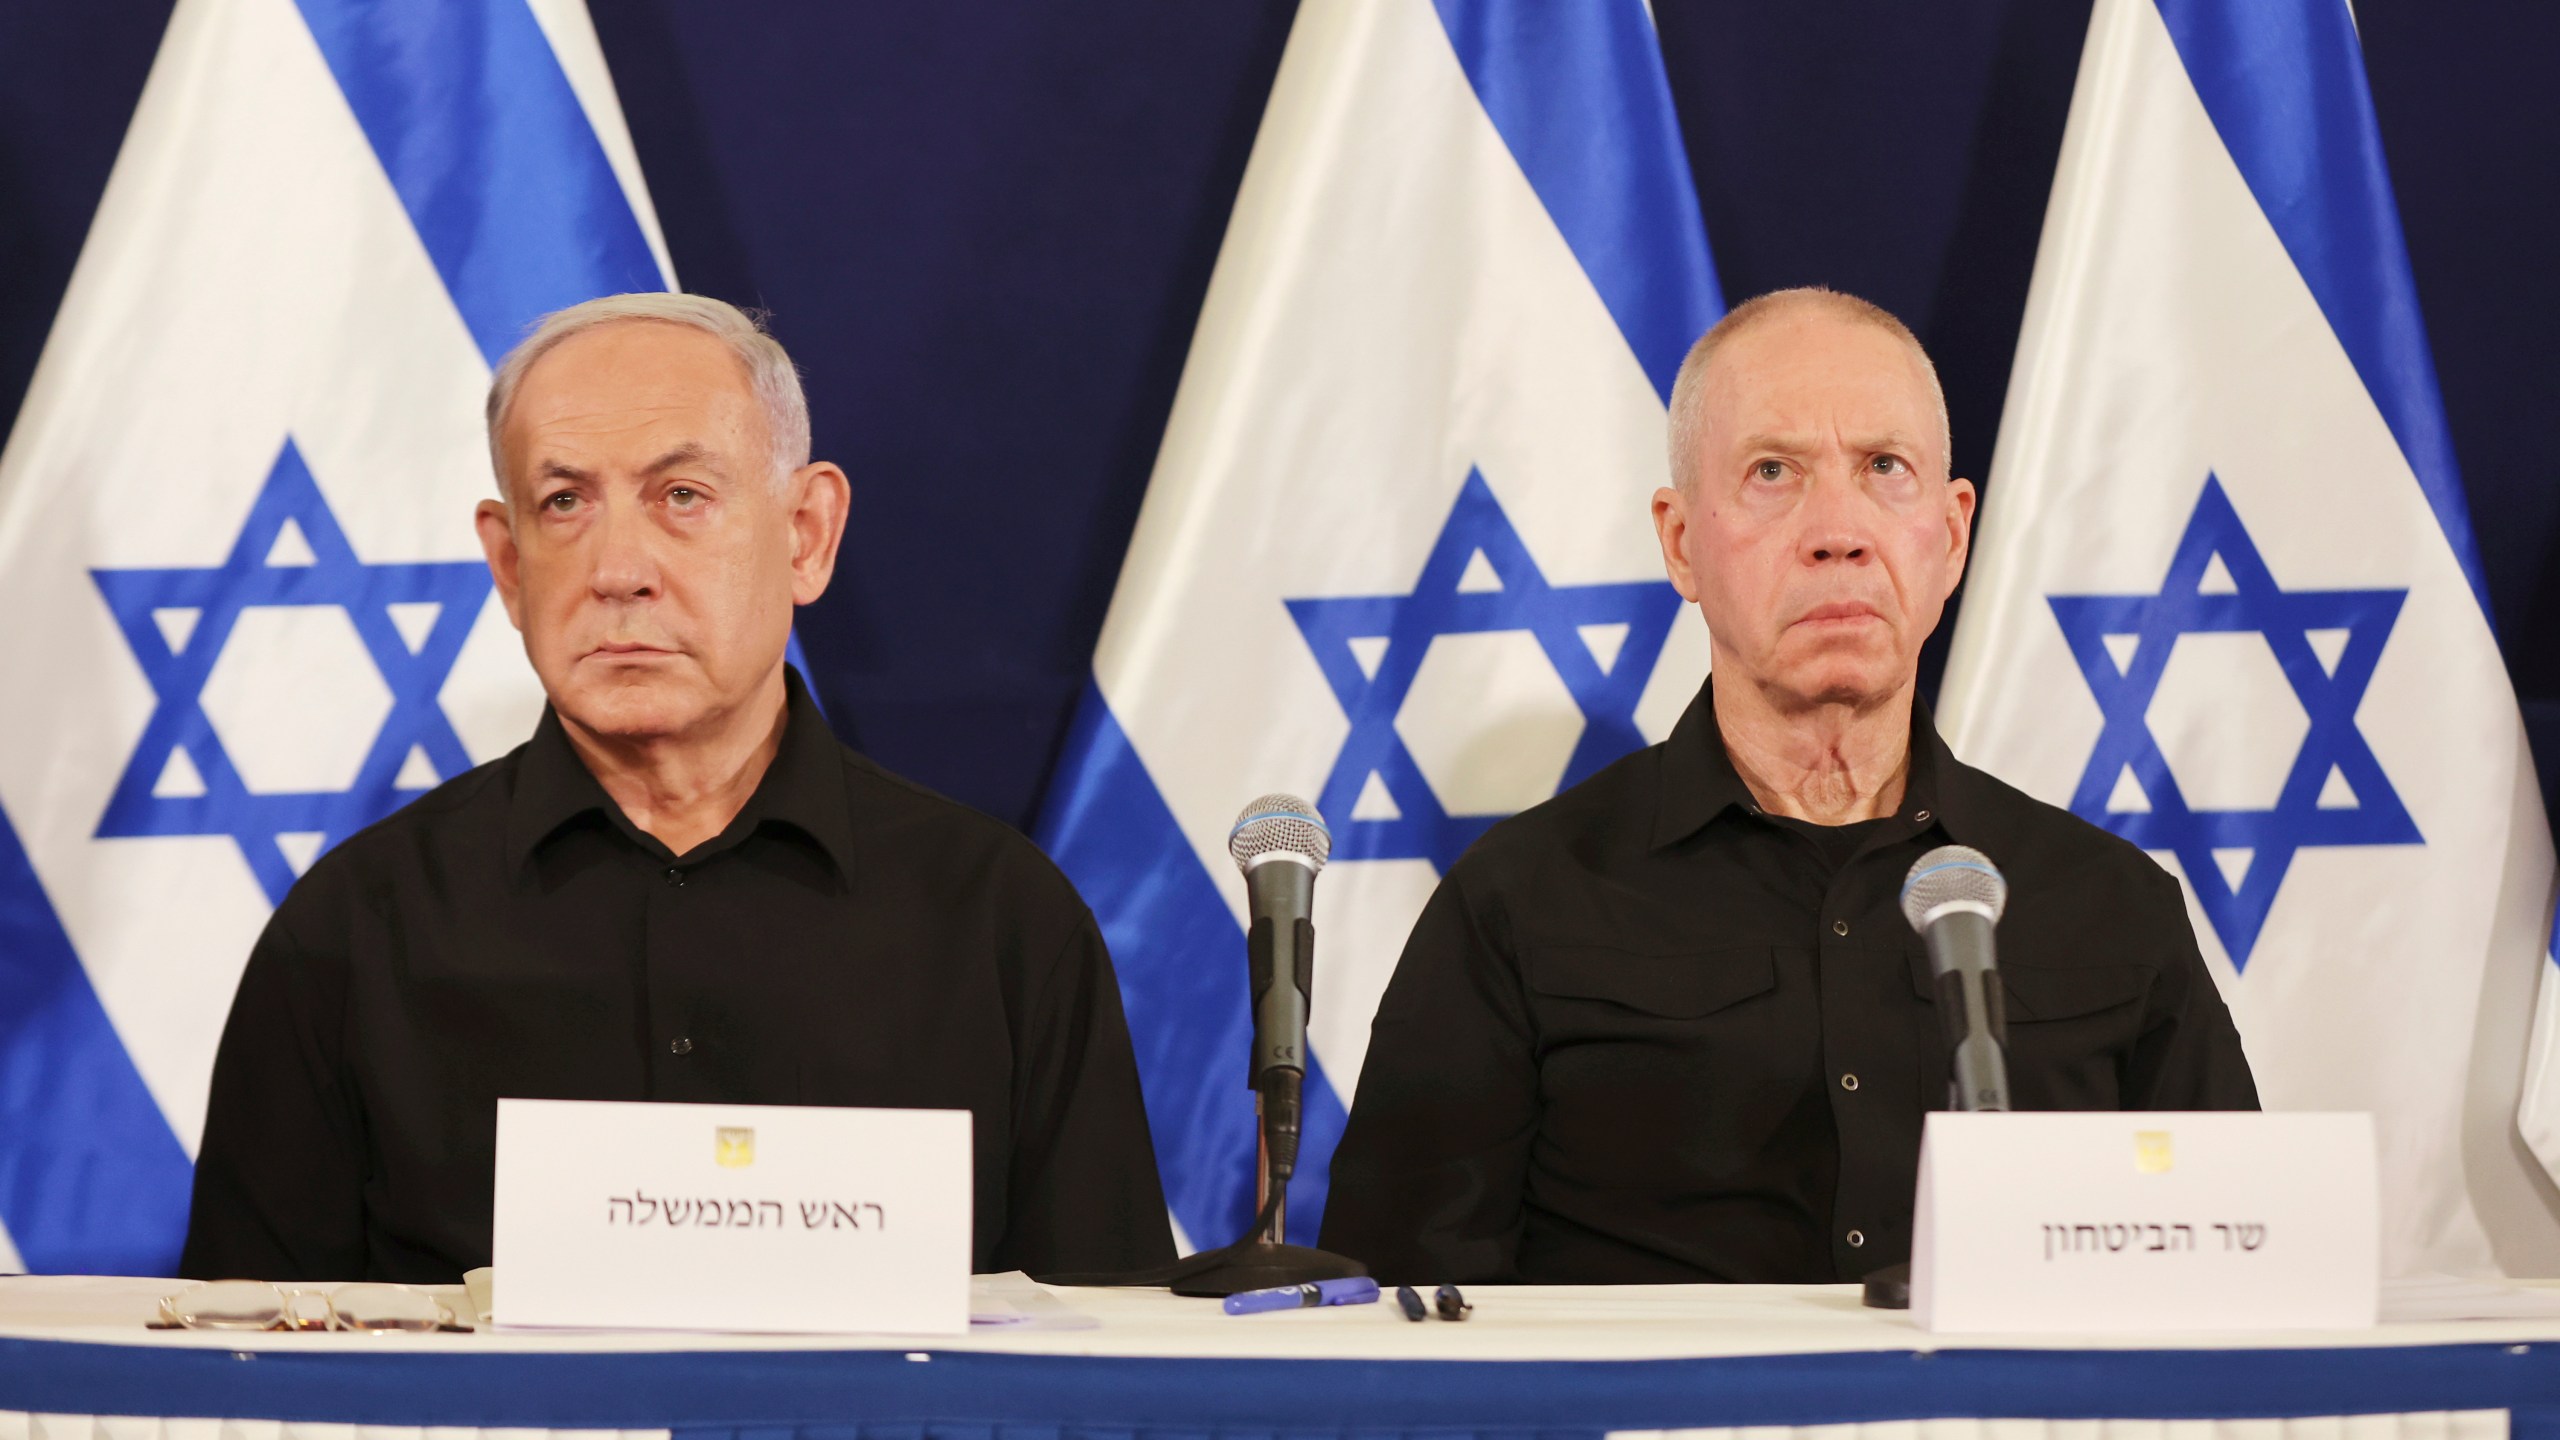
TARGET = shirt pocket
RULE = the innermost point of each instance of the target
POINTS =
(2071, 1031)
(1657, 1070)
(1611, 989)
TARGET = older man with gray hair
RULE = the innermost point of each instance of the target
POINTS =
(1670, 1026)
(682, 888)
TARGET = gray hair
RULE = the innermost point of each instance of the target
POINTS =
(770, 373)
(1688, 405)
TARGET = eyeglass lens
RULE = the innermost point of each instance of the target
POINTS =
(231, 1305)
(388, 1307)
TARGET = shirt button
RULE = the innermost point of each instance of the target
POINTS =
(1920, 816)
(1839, 927)
(1848, 1082)
(1857, 1239)
(674, 876)
(680, 1046)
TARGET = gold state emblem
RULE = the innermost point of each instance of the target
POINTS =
(2151, 1153)
(734, 1145)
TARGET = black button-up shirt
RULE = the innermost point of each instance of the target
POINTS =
(1646, 1033)
(850, 939)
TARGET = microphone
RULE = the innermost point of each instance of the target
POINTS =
(1953, 896)
(1280, 842)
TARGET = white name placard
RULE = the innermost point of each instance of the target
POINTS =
(732, 1217)
(2145, 1221)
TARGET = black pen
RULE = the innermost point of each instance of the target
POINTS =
(1451, 1304)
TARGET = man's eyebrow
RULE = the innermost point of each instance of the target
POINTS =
(1895, 441)
(689, 453)
(1783, 444)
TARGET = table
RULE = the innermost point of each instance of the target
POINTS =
(1559, 1362)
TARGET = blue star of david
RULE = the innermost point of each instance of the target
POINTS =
(1372, 694)
(2329, 695)
(221, 803)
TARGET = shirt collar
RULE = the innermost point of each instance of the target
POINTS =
(1699, 782)
(803, 788)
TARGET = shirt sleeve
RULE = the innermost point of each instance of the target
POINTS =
(1427, 1182)
(279, 1186)
(2188, 1056)
(1083, 1195)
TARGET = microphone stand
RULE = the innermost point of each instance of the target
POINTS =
(1266, 1259)
(1280, 948)
(1977, 1032)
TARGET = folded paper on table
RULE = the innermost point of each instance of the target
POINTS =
(781, 1218)
(2145, 1221)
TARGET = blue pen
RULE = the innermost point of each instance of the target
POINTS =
(1358, 1290)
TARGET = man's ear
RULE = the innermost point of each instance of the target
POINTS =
(821, 500)
(498, 542)
(1671, 528)
(1961, 500)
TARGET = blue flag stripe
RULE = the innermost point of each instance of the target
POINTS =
(1181, 961)
(92, 1181)
(2284, 83)
(1579, 96)
(476, 124)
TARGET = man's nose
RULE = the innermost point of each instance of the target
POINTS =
(1838, 522)
(625, 561)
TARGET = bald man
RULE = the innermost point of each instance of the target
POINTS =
(1670, 1025)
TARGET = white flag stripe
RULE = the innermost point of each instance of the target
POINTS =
(2538, 1116)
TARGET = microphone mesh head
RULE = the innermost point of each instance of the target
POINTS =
(1279, 824)
(1952, 872)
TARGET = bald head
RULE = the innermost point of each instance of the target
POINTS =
(1780, 309)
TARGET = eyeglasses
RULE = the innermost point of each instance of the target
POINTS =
(257, 1305)
(1446, 1300)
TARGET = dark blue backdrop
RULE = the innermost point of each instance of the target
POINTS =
(985, 228)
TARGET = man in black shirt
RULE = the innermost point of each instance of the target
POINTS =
(1671, 1025)
(681, 889)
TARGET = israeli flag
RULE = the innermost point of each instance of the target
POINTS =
(2226, 603)
(1394, 556)
(242, 609)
